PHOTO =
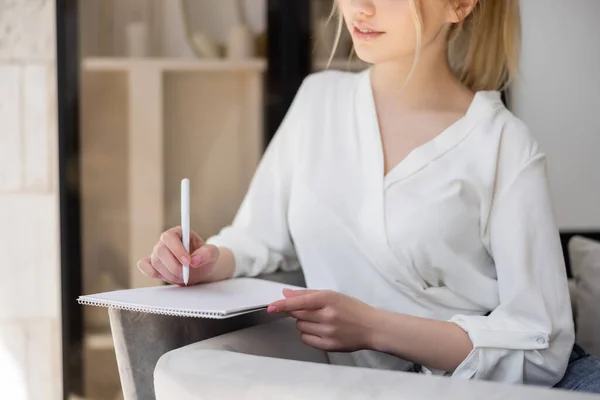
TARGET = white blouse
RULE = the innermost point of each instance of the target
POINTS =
(461, 230)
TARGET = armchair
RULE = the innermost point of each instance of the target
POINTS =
(141, 339)
(164, 357)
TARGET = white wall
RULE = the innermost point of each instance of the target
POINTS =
(558, 96)
(30, 340)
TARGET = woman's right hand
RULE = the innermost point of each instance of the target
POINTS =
(169, 254)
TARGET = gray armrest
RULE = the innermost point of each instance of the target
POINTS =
(141, 339)
(222, 374)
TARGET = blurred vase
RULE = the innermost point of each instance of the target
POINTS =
(240, 45)
(136, 43)
(205, 46)
(174, 36)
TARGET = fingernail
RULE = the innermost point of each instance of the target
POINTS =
(196, 260)
(185, 261)
(272, 309)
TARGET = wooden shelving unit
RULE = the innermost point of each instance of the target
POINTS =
(100, 64)
(191, 103)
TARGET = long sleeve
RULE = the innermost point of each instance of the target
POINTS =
(258, 236)
(529, 336)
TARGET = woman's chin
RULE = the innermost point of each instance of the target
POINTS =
(369, 56)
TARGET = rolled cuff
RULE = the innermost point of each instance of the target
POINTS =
(498, 348)
(487, 333)
(491, 334)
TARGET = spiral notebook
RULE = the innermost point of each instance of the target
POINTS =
(216, 300)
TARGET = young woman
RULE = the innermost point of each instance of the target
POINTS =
(416, 203)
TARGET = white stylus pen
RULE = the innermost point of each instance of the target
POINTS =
(185, 224)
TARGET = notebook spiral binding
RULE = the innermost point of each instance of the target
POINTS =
(176, 313)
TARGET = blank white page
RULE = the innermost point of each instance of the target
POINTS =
(212, 300)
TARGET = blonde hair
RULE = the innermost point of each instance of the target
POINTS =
(483, 49)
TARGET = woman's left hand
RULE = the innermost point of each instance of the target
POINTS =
(328, 320)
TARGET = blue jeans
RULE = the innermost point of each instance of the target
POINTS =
(583, 373)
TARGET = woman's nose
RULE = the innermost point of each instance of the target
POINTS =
(364, 7)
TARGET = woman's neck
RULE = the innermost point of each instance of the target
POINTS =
(432, 83)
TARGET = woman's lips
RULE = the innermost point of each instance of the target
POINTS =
(366, 35)
(363, 31)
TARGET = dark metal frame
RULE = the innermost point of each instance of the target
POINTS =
(289, 57)
(67, 53)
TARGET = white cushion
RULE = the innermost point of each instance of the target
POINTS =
(585, 265)
(200, 374)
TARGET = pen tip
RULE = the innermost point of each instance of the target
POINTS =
(186, 275)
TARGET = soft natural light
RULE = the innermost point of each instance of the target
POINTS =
(12, 373)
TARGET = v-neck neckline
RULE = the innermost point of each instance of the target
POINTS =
(421, 155)
(371, 218)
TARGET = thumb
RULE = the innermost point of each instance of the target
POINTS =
(204, 255)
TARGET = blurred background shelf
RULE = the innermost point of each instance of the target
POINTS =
(114, 64)
(100, 64)
(340, 64)
(146, 124)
